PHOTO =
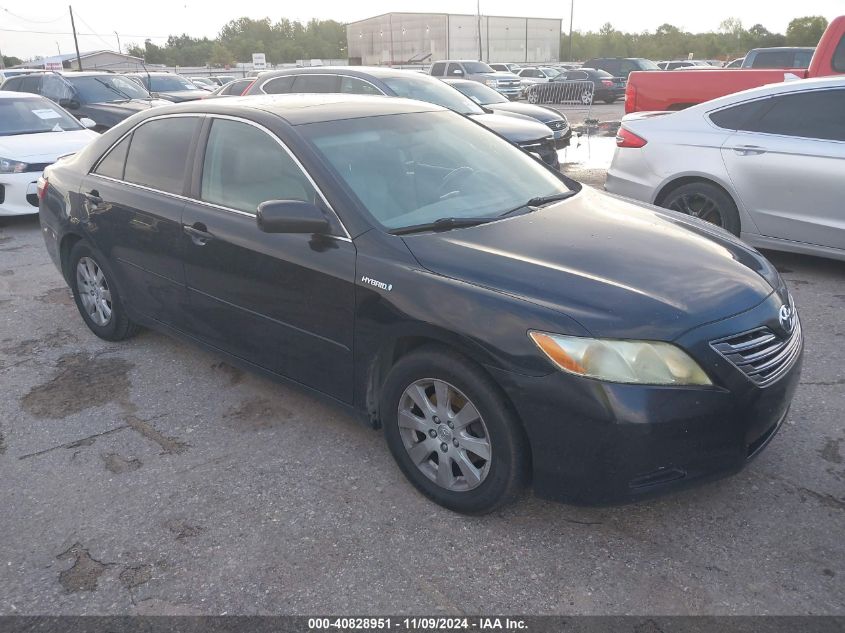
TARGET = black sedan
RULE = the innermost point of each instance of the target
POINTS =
(606, 87)
(169, 86)
(493, 101)
(521, 130)
(500, 322)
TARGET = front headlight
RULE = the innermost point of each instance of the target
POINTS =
(640, 362)
(493, 83)
(9, 166)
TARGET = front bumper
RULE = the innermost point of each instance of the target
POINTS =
(596, 443)
(562, 138)
(18, 193)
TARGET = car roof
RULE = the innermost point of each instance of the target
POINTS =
(12, 94)
(785, 87)
(351, 71)
(298, 109)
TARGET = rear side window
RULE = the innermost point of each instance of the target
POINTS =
(158, 154)
(316, 83)
(30, 83)
(818, 115)
(438, 69)
(278, 86)
(355, 86)
(839, 56)
(13, 84)
(244, 167)
(738, 116)
(112, 165)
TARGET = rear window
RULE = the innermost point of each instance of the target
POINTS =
(839, 56)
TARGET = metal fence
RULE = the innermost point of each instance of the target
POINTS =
(578, 93)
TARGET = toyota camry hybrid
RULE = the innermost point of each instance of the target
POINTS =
(502, 323)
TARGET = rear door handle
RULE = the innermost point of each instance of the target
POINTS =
(749, 150)
(198, 233)
(93, 197)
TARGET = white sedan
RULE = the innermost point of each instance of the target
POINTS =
(34, 133)
(766, 164)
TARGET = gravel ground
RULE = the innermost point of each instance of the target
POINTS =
(150, 477)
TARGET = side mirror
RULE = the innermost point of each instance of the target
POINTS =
(70, 104)
(291, 216)
(88, 124)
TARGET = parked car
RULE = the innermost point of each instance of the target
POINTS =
(606, 87)
(674, 65)
(620, 66)
(779, 57)
(204, 82)
(530, 135)
(34, 132)
(716, 63)
(535, 75)
(105, 98)
(497, 103)
(168, 86)
(222, 80)
(508, 84)
(6, 73)
(506, 68)
(407, 264)
(232, 89)
(736, 63)
(659, 91)
(766, 164)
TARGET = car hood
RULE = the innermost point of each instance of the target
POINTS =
(498, 75)
(180, 96)
(525, 109)
(620, 269)
(45, 147)
(124, 107)
(515, 129)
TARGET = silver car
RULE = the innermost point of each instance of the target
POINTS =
(766, 164)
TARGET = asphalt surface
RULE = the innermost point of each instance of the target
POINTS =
(149, 477)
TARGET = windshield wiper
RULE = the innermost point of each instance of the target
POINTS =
(115, 90)
(443, 224)
(541, 201)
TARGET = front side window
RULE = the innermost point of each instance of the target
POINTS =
(819, 114)
(55, 88)
(158, 153)
(278, 85)
(438, 69)
(244, 166)
(32, 115)
(411, 169)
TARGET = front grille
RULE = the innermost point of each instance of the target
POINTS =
(557, 125)
(508, 83)
(761, 354)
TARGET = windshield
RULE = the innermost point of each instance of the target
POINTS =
(431, 90)
(106, 88)
(170, 83)
(550, 72)
(412, 169)
(480, 93)
(33, 115)
(474, 68)
(647, 64)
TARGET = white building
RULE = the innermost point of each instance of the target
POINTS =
(91, 60)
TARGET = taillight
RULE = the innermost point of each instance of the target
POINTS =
(42, 187)
(251, 84)
(607, 83)
(626, 138)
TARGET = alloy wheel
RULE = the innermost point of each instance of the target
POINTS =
(93, 291)
(698, 205)
(444, 435)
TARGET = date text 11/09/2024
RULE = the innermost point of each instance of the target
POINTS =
(416, 624)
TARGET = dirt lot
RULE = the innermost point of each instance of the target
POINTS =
(150, 477)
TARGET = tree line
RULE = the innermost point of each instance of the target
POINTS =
(732, 40)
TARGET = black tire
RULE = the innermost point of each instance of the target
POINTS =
(690, 199)
(119, 326)
(508, 466)
(610, 101)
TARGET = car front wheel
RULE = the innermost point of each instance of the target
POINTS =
(452, 433)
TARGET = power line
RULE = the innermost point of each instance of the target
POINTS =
(148, 37)
(20, 17)
(81, 19)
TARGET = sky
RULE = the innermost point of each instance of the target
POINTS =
(156, 19)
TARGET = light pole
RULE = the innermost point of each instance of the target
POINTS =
(571, 18)
(118, 42)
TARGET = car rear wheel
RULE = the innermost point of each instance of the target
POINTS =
(533, 96)
(452, 433)
(707, 202)
(96, 295)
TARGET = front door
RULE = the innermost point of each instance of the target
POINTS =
(283, 302)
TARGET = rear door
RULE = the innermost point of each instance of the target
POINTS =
(284, 302)
(134, 197)
(787, 164)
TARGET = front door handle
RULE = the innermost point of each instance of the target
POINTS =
(93, 197)
(198, 233)
(749, 150)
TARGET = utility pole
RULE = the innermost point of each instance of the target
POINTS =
(571, 18)
(75, 41)
(58, 48)
(118, 41)
(478, 13)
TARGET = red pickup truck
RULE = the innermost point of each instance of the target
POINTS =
(679, 89)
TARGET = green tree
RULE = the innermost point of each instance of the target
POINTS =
(11, 61)
(805, 31)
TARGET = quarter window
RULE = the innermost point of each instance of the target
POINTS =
(112, 164)
(736, 117)
(158, 154)
(315, 83)
(244, 167)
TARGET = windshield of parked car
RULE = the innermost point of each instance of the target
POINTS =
(106, 88)
(33, 115)
(415, 168)
(474, 68)
(480, 93)
(160, 83)
(431, 90)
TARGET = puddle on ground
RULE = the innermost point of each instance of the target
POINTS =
(589, 152)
